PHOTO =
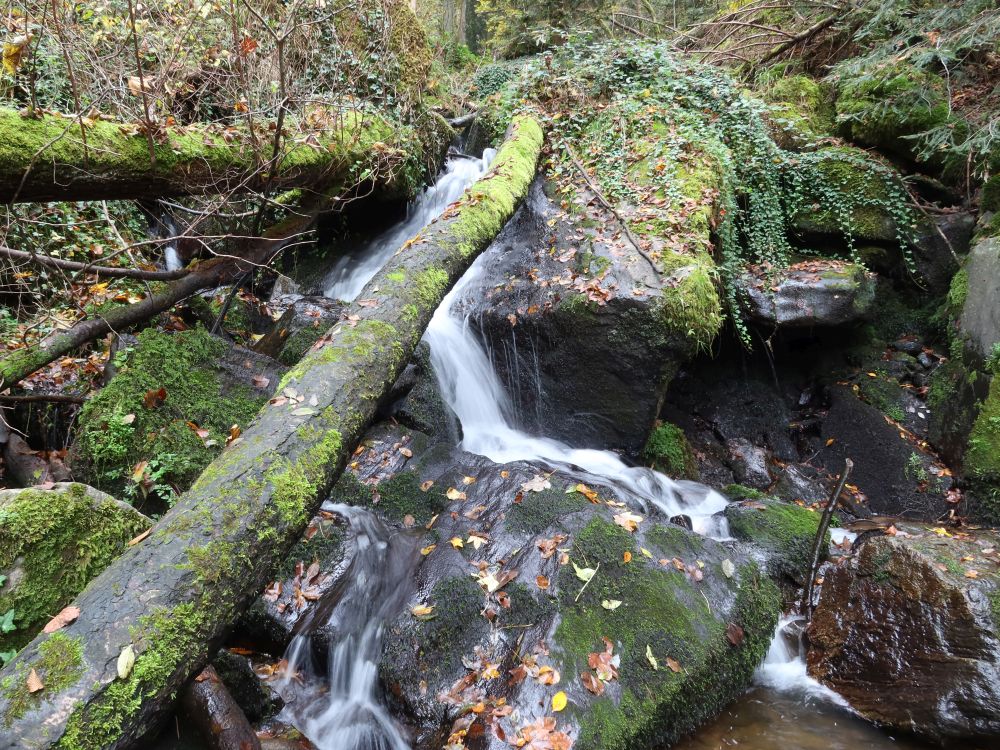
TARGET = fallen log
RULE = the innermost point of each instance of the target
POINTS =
(215, 715)
(45, 159)
(170, 600)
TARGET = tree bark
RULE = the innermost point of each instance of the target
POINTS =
(214, 713)
(45, 158)
(106, 271)
(172, 597)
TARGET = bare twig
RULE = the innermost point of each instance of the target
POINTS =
(72, 265)
(824, 525)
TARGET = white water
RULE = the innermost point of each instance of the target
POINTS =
(471, 387)
(784, 667)
(354, 270)
(350, 715)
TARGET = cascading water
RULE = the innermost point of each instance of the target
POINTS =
(784, 667)
(470, 386)
(354, 270)
(349, 715)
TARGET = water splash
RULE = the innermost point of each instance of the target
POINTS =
(352, 271)
(784, 667)
(348, 715)
(470, 385)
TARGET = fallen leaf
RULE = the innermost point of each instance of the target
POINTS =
(628, 521)
(406, 452)
(457, 543)
(592, 684)
(61, 620)
(476, 540)
(734, 634)
(673, 664)
(650, 658)
(34, 682)
(260, 381)
(468, 480)
(542, 582)
(627, 557)
(972, 573)
(536, 484)
(559, 701)
(426, 485)
(728, 569)
(455, 494)
(154, 399)
(126, 660)
(422, 611)
(584, 574)
(427, 550)
(611, 604)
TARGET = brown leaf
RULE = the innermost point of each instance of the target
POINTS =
(259, 381)
(61, 620)
(542, 582)
(34, 682)
(592, 684)
(734, 634)
(154, 399)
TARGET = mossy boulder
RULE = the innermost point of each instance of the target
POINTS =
(875, 212)
(300, 326)
(982, 457)
(802, 110)
(52, 543)
(784, 530)
(980, 298)
(172, 404)
(668, 451)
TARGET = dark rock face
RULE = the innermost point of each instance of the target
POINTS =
(810, 293)
(302, 323)
(910, 641)
(749, 463)
(783, 530)
(938, 248)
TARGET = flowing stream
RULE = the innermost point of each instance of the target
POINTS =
(342, 710)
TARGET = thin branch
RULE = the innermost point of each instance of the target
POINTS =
(109, 271)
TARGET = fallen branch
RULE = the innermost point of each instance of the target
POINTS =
(461, 122)
(220, 722)
(817, 548)
(171, 599)
(108, 271)
(799, 38)
(33, 398)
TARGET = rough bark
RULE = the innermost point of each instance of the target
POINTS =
(173, 596)
(215, 715)
(44, 158)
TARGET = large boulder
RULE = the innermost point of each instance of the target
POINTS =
(53, 541)
(980, 316)
(808, 293)
(907, 632)
(169, 410)
(499, 560)
(785, 531)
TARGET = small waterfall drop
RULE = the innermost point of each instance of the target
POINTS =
(470, 386)
(347, 714)
(784, 667)
(353, 270)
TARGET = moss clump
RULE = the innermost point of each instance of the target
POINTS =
(538, 511)
(989, 199)
(884, 393)
(802, 108)
(668, 451)
(401, 496)
(786, 531)
(52, 543)
(457, 627)
(162, 640)
(59, 664)
(663, 612)
(118, 430)
(742, 492)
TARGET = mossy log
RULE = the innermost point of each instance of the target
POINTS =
(173, 597)
(49, 158)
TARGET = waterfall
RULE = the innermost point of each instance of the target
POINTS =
(784, 667)
(353, 270)
(348, 714)
(471, 387)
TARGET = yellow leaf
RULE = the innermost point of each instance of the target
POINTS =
(454, 494)
(584, 574)
(126, 660)
(646, 552)
(559, 701)
(457, 543)
(421, 610)
(611, 604)
(427, 550)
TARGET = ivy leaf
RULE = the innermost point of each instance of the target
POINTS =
(7, 622)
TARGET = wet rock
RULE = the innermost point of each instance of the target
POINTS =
(980, 316)
(802, 482)
(910, 640)
(809, 293)
(252, 695)
(895, 475)
(53, 541)
(939, 247)
(669, 452)
(302, 323)
(749, 463)
(785, 531)
(417, 401)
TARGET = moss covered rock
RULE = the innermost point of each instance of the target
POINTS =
(802, 110)
(171, 405)
(52, 543)
(668, 451)
(785, 530)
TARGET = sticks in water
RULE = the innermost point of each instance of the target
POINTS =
(824, 524)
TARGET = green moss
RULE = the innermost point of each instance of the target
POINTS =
(401, 496)
(456, 628)
(664, 612)
(957, 293)
(162, 640)
(884, 393)
(786, 531)
(117, 430)
(982, 456)
(58, 541)
(539, 511)
(989, 199)
(431, 285)
(668, 451)
(802, 108)
(59, 664)
(741, 492)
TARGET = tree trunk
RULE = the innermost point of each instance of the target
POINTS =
(172, 597)
(220, 722)
(44, 159)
